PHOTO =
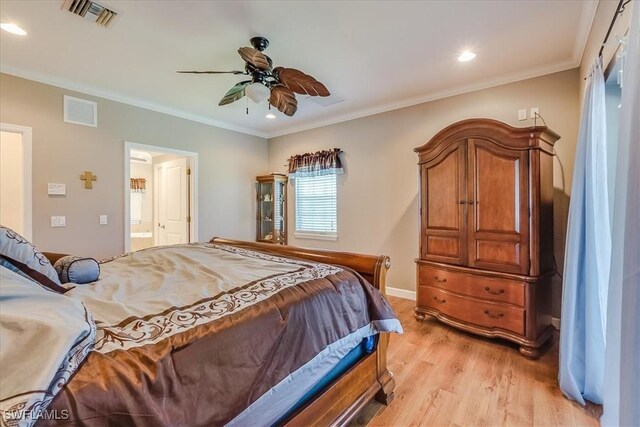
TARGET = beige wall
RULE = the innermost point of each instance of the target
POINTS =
(228, 164)
(378, 195)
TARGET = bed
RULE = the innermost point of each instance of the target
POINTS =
(270, 335)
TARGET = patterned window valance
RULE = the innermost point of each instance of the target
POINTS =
(139, 185)
(326, 162)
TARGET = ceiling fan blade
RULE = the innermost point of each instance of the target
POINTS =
(212, 72)
(284, 100)
(300, 82)
(235, 93)
(256, 58)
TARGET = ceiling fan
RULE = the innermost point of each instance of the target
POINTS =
(279, 84)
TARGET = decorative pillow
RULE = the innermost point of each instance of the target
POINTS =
(76, 269)
(18, 249)
(31, 274)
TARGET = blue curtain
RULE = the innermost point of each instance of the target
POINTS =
(622, 379)
(587, 255)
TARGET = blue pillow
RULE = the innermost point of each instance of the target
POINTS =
(17, 248)
(76, 269)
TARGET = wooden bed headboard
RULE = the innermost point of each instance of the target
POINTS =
(373, 268)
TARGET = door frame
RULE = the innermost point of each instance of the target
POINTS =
(27, 201)
(193, 187)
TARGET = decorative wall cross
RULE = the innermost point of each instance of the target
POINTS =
(87, 178)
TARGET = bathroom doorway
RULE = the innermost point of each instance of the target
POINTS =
(15, 178)
(160, 196)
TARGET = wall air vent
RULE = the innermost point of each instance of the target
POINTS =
(80, 111)
(91, 11)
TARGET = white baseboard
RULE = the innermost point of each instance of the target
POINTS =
(401, 293)
(555, 322)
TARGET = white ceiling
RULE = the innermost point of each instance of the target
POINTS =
(377, 55)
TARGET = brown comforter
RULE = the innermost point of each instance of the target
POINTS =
(190, 335)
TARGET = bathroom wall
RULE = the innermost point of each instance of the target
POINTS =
(144, 170)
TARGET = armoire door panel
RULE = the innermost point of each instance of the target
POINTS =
(443, 213)
(494, 251)
(442, 246)
(442, 200)
(499, 215)
(496, 177)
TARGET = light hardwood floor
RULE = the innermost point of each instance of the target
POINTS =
(445, 377)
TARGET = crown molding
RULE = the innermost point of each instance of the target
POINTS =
(136, 102)
(447, 93)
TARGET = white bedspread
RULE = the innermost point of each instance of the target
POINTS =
(44, 336)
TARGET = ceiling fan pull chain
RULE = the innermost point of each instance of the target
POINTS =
(247, 99)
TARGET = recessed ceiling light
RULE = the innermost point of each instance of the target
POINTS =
(13, 29)
(465, 56)
(270, 116)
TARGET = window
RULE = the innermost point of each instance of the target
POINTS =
(316, 207)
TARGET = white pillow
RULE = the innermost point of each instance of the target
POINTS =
(15, 247)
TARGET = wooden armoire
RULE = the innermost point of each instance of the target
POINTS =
(486, 231)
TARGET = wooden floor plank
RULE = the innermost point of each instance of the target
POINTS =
(445, 377)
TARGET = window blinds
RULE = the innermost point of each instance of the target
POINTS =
(316, 207)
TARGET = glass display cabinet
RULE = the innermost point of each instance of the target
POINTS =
(272, 209)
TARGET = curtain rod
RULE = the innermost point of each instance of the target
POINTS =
(619, 11)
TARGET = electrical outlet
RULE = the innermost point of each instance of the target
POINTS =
(58, 221)
(535, 111)
(103, 220)
(522, 114)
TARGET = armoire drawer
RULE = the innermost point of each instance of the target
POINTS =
(478, 312)
(476, 286)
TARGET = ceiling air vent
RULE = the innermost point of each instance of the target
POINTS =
(91, 11)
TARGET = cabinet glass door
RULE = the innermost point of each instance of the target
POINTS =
(279, 212)
(265, 211)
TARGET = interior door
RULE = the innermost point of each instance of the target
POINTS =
(442, 211)
(498, 200)
(173, 202)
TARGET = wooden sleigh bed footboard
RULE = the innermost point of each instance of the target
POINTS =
(369, 378)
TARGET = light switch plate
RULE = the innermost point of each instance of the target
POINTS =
(522, 114)
(56, 189)
(103, 220)
(58, 221)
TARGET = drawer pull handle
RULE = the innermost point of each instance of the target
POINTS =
(439, 301)
(498, 292)
(439, 280)
(494, 316)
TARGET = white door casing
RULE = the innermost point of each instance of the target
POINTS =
(192, 191)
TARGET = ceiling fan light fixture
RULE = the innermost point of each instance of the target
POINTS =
(270, 116)
(257, 92)
(466, 56)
